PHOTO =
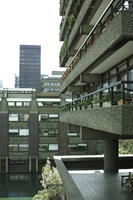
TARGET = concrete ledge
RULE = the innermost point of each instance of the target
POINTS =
(71, 190)
(115, 119)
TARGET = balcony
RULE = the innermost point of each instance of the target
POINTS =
(87, 180)
(62, 6)
(64, 19)
(90, 11)
(107, 110)
(109, 42)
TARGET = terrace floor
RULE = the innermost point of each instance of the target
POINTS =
(96, 185)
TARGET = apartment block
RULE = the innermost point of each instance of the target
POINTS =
(97, 54)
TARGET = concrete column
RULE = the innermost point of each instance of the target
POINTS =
(131, 5)
(111, 156)
(0, 164)
(36, 164)
(63, 138)
(6, 161)
(29, 164)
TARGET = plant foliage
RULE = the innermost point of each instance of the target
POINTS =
(51, 183)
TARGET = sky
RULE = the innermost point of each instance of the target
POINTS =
(30, 22)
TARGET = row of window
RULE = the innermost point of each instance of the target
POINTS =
(18, 147)
(41, 117)
(48, 132)
(40, 104)
(51, 90)
(122, 71)
(51, 84)
(18, 103)
(25, 132)
(25, 147)
(18, 117)
(78, 147)
(48, 117)
(47, 147)
(19, 132)
(53, 104)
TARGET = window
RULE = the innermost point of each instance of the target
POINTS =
(18, 103)
(13, 132)
(53, 132)
(46, 84)
(77, 147)
(41, 104)
(24, 132)
(23, 147)
(13, 117)
(43, 117)
(53, 147)
(11, 103)
(23, 117)
(26, 103)
(13, 147)
(44, 132)
(82, 147)
(43, 147)
(53, 117)
(72, 134)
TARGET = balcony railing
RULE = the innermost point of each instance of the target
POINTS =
(111, 11)
(117, 93)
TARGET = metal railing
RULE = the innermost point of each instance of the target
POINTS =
(111, 11)
(117, 93)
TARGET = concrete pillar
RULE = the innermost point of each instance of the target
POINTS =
(6, 162)
(36, 164)
(0, 164)
(111, 156)
(29, 164)
(131, 5)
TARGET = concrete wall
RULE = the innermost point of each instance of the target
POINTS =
(120, 27)
(115, 119)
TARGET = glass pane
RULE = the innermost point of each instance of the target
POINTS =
(53, 132)
(72, 134)
(11, 103)
(13, 117)
(43, 147)
(18, 103)
(13, 147)
(53, 147)
(43, 117)
(13, 132)
(24, 132)
(26, 103)
(24, 117)
(23, 147)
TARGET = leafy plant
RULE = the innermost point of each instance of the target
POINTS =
(51, 183)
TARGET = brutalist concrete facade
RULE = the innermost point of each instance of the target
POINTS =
(101, 36)
(30, 130)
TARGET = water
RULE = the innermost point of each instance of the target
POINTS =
(18, 186)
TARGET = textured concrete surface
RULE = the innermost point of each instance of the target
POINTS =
(120, 27)
(114, 119)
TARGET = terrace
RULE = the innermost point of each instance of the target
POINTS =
(92, 184)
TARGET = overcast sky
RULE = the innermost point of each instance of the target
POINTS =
(28, 22)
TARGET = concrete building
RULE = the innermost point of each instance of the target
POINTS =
(51, 83)
(30, 66)
(30, 130)
(97, 54)
(99, 72)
